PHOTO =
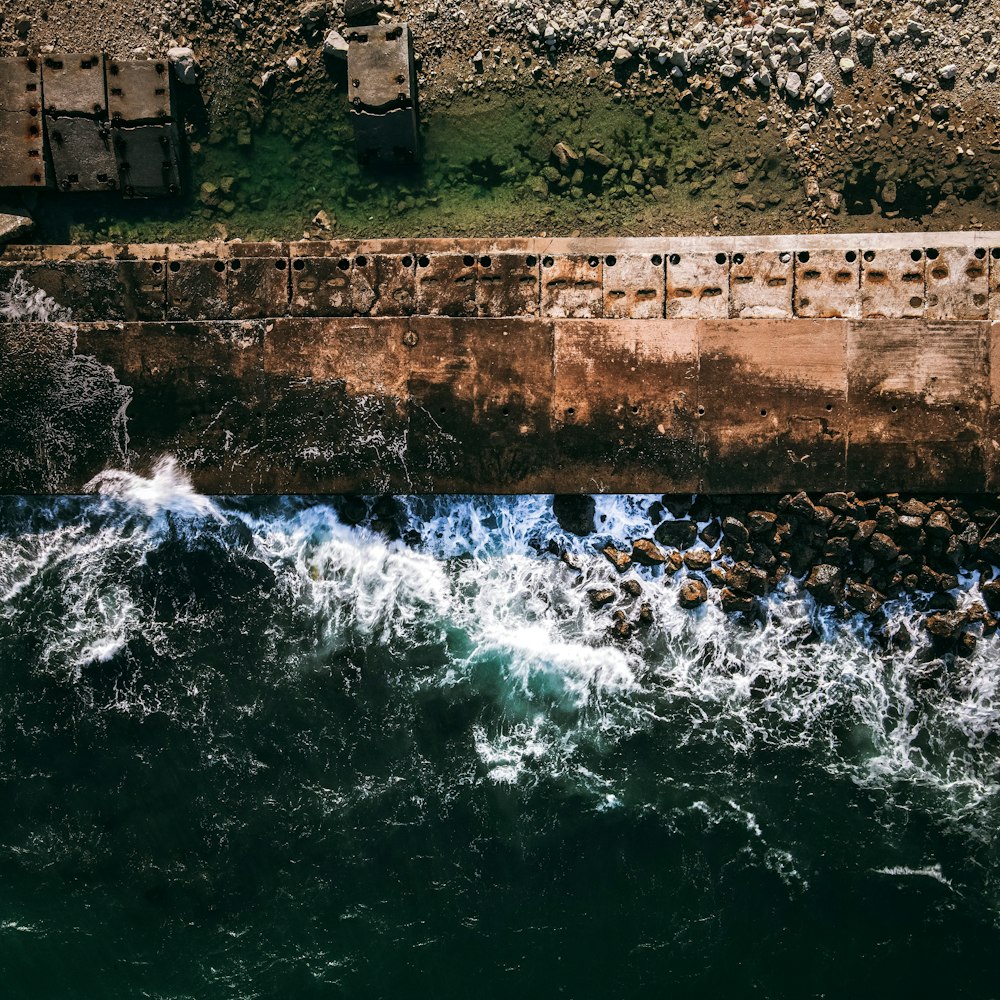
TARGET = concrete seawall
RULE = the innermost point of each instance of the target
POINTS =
(723, 365)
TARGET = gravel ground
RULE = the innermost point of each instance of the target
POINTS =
(878, 100)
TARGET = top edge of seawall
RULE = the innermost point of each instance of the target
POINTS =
(532, 244)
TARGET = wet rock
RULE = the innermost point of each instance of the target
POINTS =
(915, 508)
(676, 534)
(674, 562)
(335, 46)
(574, 513)
(352, 510)
(619, 559)
(622, 629)
(761, 522)
(945, 624)
(14, 226)
(991, 594)
(646, 615)
(697, 559)
(601, 596)
(692, 593)
(631, 588)
(645, 552)
(736, 603)
(826, 583)
(747, 579)
(185, 65)
(711, 534)
(883, 547)
(863, 598)
(939, 526)
(735, 531)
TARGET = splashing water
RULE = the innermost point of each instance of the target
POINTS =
(280, 742)
(22, 302)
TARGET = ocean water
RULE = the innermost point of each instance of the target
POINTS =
(247, 750)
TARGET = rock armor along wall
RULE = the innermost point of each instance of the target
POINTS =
(651, 365)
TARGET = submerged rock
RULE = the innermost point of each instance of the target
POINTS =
(574, 513)
(692, 593)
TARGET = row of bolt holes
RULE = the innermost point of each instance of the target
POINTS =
(468, 260)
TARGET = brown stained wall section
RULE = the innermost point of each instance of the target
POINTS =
(799, 375)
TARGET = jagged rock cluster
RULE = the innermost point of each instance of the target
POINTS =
(853, 553)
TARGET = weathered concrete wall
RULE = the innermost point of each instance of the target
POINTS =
(521, 365)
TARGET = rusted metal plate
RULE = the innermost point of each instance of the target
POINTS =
(446, 284)
(634, 286)
(257, 280)
(74, 84)
(138, 90)
(20, 86)
(337, 405)
(761, 285)
(384, 284)
(198, 394)
(480, 400)
(774, 395)
(22, 160)
(148, 158)
(698, 285)
(196, 284)
(507, 284)
(143, 289)
(892, 284)
(321, 286)
(828, 284)
(625, 405)
(572, 286)
(957, 283)
(380, 66)
(918, 392)
(83, 158)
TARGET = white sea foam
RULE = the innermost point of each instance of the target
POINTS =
(167, 489)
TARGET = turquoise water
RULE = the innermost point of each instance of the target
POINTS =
(247, 750)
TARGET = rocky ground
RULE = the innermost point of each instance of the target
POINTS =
(886, 112)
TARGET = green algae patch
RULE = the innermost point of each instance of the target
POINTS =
(552, 161)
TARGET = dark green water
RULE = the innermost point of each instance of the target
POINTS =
(247, 751)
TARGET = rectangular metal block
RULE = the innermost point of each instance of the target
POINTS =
(139, 90)
(83, 157)
(74, 84)
(828, 284)
(380, 67)
(507, 284)
(321, 286)
(761, 285)
(446, 284)
(22, 152)
(480, 404)
(337, 413)
(257, 282)
(919, 392)
(196, 286)
(20, 86)
(957, 283)
(625, 405)
(148, 159)
(143, 289)
(634, 286)
(774, 395)
(572, 286)
(698, 285)
(197, 393)
(892, 284)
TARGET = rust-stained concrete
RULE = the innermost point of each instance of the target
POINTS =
(759, 365)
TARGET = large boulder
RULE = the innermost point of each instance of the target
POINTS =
(12, 227)
(575, 513)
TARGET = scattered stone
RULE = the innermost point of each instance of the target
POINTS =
(645, 552)
(697, 559)
(883, 547)
(620, 560)
(185, 65)
(12, 227)
(599, 597)
(736, 603)
(826, 583)
(676, 534)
